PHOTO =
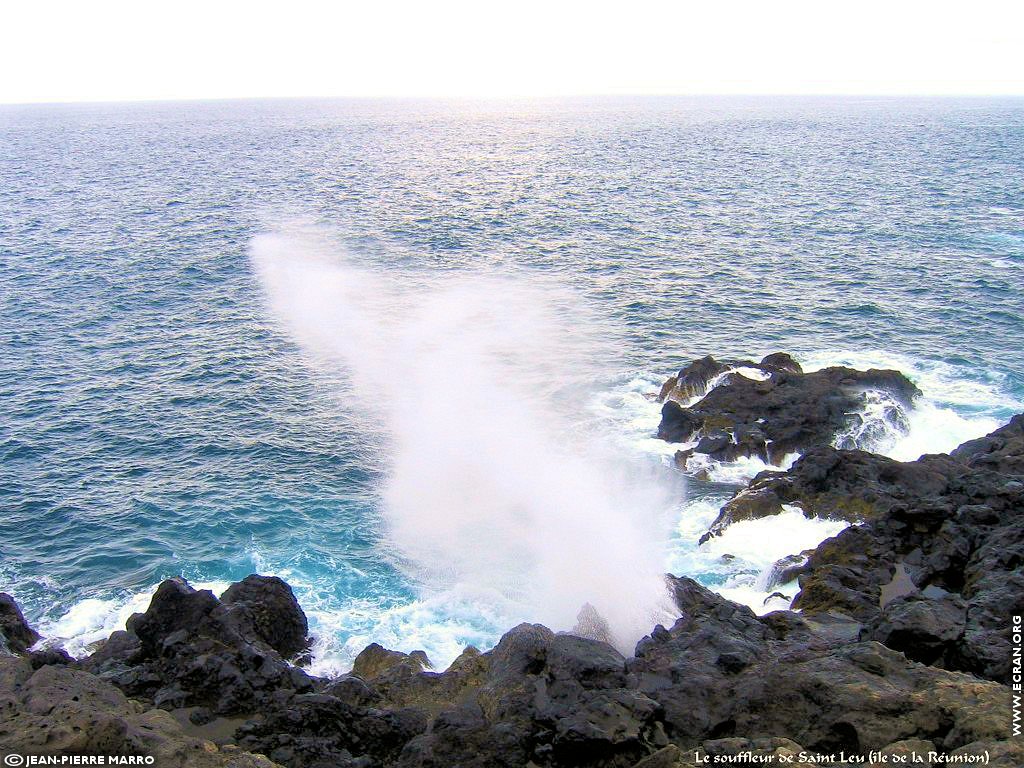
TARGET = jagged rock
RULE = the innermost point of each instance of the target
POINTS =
(276, 614)
(693, 380)
(923, 629)
(696, 377)
(49, 657)
(317, 730)
(994, 589)
(789, 412)
(191, 649)
(722, 672)
(928, 579)
(15, 632)
(1001, 451)
(57, 711)
(939, 526)
(374, 660)
(840, 485)
(555, 699)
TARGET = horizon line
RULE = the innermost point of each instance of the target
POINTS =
(516, 97)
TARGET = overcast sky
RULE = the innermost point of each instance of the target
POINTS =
(114, 50)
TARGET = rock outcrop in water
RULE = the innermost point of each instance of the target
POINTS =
(789, 411)
(933, 567)
(902, 645)
(848, 485)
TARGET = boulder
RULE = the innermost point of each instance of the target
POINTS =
(677, 424)
(923, 629)
(693, 380)
(276, 615)
(780, 361)
(374, 660)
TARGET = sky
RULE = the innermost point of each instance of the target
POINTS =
(112, 50)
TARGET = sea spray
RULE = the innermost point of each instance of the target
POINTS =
(958, 403)
(494, 477)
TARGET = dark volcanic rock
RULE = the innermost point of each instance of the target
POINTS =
(374, 660)
(320, 730)
(15, 632)
(721, 680)
(693, 380)
(840, 485)
(791, 411)
(678, 424)
(276, 614)
(555, 699)
(923, 629)
(722, 672)
(935, 526)
(934, 565)
(780, 361)
(191, 649)
(1001, 451)
(57, 711)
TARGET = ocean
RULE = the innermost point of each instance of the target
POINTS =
(402, 353)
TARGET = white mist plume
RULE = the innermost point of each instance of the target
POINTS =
(478, 380)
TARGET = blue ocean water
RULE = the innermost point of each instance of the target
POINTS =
(155, 420)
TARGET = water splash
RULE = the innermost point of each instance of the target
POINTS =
(958, 403)
(496, 477)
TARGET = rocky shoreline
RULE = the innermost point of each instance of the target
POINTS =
(899, 640)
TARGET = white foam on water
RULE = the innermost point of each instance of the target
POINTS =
(934, 429)
(957, 404)
(738, 472)
(634, 413)
(751, 373)
(694, 520)
(93, 619)
(737, 563)
(764, 541)
(442, 626)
